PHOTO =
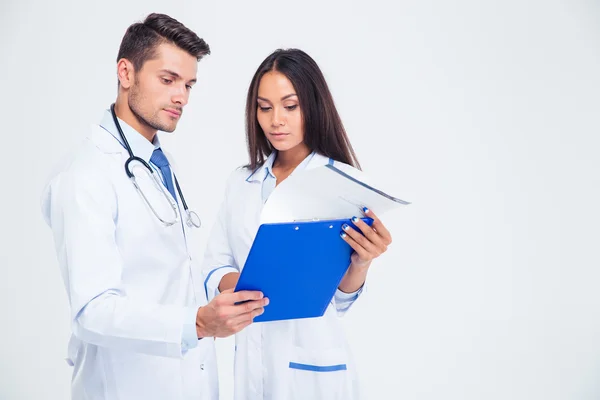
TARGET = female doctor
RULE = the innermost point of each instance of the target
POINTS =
(292, 124)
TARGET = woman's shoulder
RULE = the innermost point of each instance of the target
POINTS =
(241, 171)
(239, 175)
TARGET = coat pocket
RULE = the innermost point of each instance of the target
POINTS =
(319, 374)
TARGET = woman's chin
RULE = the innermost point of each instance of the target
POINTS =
(283, 146)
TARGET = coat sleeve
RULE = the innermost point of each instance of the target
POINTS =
(83, 209)
(218, 257)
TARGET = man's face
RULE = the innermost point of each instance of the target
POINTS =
(161, 88)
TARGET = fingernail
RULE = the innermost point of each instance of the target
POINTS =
(266, 301)
(354, 219)
(345, 227)
(343, 235)
(365, 210)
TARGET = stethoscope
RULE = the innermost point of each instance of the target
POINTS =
(192, 219)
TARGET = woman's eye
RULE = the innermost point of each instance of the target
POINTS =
(264, 108)
(292, 108)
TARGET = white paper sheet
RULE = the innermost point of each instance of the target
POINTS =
(324, 192)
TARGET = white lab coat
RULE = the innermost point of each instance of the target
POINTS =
(129, 282)
(268, 355)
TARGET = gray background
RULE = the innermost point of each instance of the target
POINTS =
(483, 114)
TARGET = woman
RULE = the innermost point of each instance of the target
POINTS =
(292, 124)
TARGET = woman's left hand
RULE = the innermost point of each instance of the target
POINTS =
(373, 242)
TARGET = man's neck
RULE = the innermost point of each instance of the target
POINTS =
(125, 114)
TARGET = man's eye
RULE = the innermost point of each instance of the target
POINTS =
(167, 81)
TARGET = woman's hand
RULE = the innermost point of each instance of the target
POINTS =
(373, 242)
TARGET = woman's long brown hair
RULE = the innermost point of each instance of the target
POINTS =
(324, 132)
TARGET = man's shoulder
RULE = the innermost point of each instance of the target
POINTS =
(88, 162)
(85, 157)
(81, 173)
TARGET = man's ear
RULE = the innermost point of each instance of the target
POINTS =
(125, 73)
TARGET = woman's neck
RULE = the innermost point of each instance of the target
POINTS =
(290, 159)
(287, 161)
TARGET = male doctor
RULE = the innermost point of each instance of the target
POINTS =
(139, 331)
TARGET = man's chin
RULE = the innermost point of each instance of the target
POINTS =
(168, 128)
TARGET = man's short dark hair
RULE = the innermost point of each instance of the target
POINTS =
(141, 39)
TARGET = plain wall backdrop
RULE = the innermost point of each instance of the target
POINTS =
(483, 114)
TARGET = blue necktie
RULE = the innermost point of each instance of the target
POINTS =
(160, 160)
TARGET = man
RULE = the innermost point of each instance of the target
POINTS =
(139, 331)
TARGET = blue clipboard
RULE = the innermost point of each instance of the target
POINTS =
(298, 266)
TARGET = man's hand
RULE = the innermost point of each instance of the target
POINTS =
(222, 317)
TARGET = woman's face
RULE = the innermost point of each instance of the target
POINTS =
(278, 112)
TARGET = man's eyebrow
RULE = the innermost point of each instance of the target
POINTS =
(176, 75)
